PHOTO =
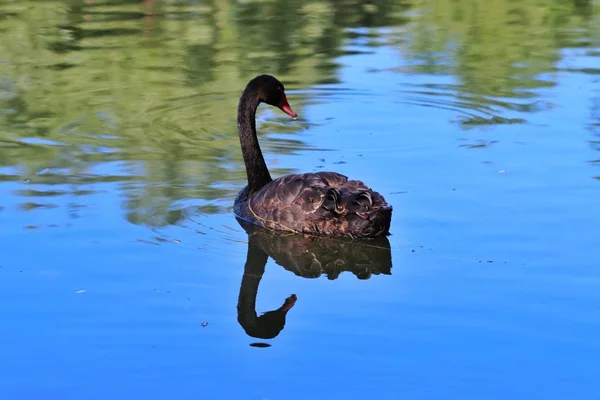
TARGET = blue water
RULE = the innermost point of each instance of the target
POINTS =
(494, 286)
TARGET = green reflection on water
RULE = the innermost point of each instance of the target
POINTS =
(499, 50)
(150, 88)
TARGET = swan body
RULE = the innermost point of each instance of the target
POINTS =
(319, 203)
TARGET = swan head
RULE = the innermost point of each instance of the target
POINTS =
(272, 92)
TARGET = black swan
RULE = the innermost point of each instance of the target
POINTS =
(319, 203)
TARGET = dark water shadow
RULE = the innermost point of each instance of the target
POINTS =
(307, 257)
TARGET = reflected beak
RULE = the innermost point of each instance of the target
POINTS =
(289, 303)
(285, 107)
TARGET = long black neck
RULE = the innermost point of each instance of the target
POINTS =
(256, 168)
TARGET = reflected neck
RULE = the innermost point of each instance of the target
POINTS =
(271, 323)
(254, 269)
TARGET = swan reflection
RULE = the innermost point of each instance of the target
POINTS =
(305, 256)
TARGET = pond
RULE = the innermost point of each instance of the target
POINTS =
(124, 271)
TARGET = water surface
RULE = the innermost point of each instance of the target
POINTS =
(124, 272)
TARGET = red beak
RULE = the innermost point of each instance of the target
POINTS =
(285, 107)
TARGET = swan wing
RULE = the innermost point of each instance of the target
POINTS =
(309, 198)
